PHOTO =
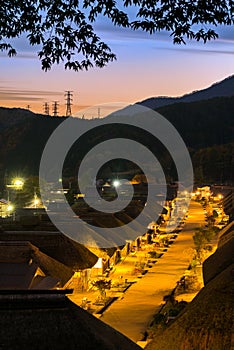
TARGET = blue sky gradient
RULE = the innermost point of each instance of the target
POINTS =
(146, 66)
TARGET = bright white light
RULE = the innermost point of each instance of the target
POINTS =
(116, 183)
(36, 201)
(10, 207)
(18, 183)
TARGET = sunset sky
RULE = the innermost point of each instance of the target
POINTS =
(146, 66)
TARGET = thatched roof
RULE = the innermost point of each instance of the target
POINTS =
(57, 246)
(105, 220)
(226, 234)
(101, 253)
(97, 232)
(19, 262)
(51, 321)
(219, 261)
(109, 221)
(207, 322)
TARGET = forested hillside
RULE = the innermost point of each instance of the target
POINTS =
(206, 126)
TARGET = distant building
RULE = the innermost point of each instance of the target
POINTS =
(225, 195)
(5, 208)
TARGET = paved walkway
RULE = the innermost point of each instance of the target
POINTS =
(132, 314)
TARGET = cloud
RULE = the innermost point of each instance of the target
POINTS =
(20, 54)
(21, 44)
(112, 32)
(12, 97)
(226, 33)
(25, 95)
(104, 27)
(203, 51)
(27, 56)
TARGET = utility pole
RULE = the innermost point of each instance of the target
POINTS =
(99, 112)
(46, 108)
(55, 108)
(28, 107)
(68, 96)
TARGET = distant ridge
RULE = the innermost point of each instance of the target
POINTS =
(224, 88)
(12, 116)
(205, 123)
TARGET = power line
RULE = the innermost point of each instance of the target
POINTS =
(46, 108)
(68, 96)
(55, 108)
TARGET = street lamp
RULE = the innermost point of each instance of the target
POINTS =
(116, 183)
(10, 208)
(16, 184)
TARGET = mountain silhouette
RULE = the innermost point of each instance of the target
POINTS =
(224, 88)
(205, 123)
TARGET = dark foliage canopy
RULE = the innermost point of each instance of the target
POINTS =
(64, 28)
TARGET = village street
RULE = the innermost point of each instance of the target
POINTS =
(132, 314)
(134, 309)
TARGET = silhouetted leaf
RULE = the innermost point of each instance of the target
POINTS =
(63, 28)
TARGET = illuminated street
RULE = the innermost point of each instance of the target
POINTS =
(132, 314)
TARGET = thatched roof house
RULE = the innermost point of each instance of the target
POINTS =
(207, 323)
(219, 261)
(24, 266)
(49, 320)
(226, 234)
(57, 246)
